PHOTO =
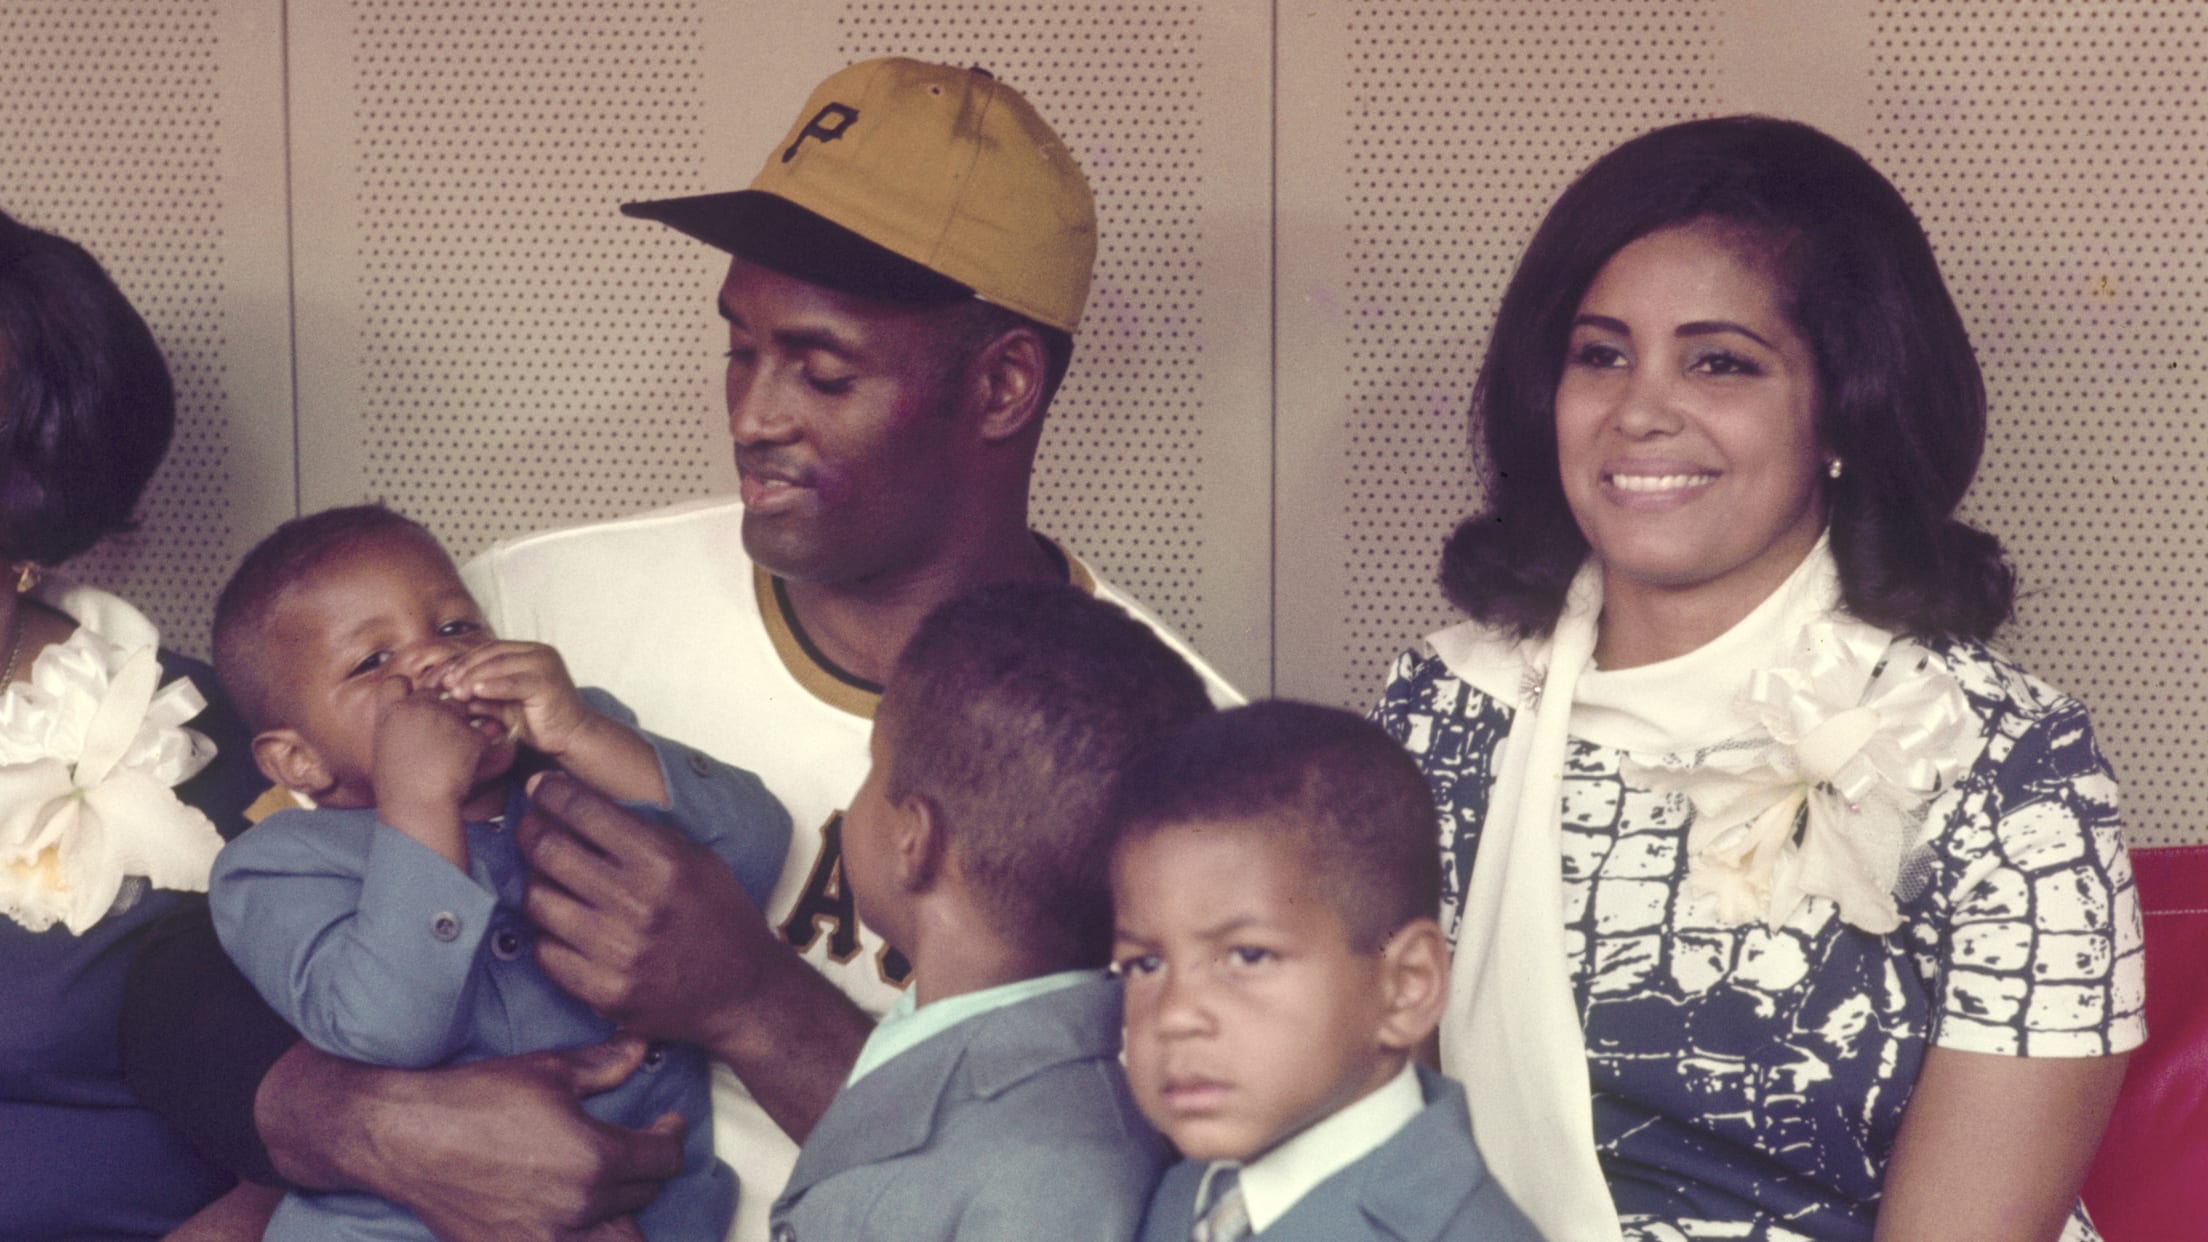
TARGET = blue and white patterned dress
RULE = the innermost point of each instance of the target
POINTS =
(1749, 1082)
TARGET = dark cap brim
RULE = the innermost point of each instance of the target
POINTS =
(776, 233)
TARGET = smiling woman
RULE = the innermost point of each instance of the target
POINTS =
(1849, 938)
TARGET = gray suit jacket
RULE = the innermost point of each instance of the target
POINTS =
(1426, 1183)
(1014, 1125)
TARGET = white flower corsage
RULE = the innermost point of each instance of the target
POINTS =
(91, 750)
(1828, 797)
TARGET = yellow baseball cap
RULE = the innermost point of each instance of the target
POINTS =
(916, 183)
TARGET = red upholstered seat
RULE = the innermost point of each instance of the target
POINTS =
(2150, 1178)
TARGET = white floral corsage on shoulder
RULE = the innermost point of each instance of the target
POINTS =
(1828, 796)
(91, 750)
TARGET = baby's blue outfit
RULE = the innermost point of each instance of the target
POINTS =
(379, 950)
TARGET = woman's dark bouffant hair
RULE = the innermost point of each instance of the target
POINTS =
(86, 406)
(1900, 400)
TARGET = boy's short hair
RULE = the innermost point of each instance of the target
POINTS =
(1015, 709)
(276, 564)
(1348, 797)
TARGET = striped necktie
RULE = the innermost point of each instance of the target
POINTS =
(1227, 1219)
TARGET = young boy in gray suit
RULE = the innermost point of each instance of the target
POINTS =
(386, 920)
(990, 1103)
(1276, 881)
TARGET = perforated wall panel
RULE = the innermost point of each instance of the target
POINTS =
(1457, 126)
(123, 131)
(494, 349)
(2055, 151)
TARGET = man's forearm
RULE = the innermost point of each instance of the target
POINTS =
(498, 1148)
(315, 1113)
(792, 1042)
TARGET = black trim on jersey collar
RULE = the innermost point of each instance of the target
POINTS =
(1069, 571)
(805, 642)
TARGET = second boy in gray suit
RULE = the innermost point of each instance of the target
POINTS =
(1275, 879)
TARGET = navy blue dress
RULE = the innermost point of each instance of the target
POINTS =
(82, 1158)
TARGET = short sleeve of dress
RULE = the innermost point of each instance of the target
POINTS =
(2040, 953)
(1453, 731)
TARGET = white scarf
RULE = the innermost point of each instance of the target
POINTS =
(1511, 1031)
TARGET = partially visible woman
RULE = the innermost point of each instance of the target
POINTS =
(108, 803)
(1784, 906)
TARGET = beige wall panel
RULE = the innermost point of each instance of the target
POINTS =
(485, 342)
(2058, 153)
(152, 133)
(1419, 144)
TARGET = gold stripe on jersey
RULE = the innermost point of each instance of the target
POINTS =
(1076, 573)
(273, 799)
(822, 677)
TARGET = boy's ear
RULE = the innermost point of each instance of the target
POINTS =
(1414, 970)
(289, 760)
(919, 842)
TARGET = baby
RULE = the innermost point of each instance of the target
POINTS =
(386, 922)
(1275, 883)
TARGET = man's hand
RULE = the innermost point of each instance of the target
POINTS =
(641, 924)
(490, 1151)
(654, 932)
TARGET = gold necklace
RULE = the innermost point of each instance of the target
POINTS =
(15, 653)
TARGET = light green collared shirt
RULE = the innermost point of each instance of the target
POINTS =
(906, 1024)
(1279, 1179)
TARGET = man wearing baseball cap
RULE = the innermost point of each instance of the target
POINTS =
(906, 273)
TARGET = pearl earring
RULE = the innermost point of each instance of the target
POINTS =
(1835, 468)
